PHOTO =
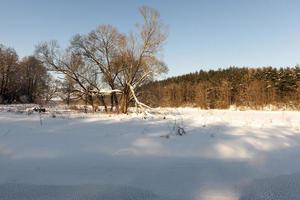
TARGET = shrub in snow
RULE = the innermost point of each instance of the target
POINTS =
(180, 131)
(39, 109)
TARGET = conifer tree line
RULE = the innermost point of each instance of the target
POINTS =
(249, 87)
(126, 64)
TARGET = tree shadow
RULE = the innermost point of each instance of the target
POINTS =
(209, 161)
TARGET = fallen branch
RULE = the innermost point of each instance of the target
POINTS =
(137, 102)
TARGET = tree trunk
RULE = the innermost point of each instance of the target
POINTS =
(111, 102)
(92, 102)
(86, 103)
(125, 100)
(68, 98)
(115, 98)
(101, 98)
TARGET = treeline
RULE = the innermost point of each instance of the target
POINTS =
(249, 87)
(106, 63)
(22, 81)
(103, 62)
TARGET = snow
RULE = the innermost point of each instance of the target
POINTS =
(224, 155)
(84, 192)
(280, 187)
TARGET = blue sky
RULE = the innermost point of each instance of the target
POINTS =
(203, 34)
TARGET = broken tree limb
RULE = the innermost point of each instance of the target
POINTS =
(138, 104)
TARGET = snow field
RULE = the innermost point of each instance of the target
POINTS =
(223, 155)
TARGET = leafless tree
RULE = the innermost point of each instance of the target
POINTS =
(34, 77)
(71, 65)
(8, 69)
(100, 48)
(139, 59)
(106, 56)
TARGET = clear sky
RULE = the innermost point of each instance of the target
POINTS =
(203, 34)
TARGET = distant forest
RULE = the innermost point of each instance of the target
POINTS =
(117, 70)
(22, 81)
(242, 87)
(27, 81)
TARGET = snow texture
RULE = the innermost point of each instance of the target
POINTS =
(224, 155)
(79, 192)
(285, 187)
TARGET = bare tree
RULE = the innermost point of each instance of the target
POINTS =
(107, 56)
(100, 48)
(66, 89)
(71, 65)
(139, 59)
(52, 89)
(8, 69)
(35, 78)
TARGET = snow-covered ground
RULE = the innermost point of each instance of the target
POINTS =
(224, 155)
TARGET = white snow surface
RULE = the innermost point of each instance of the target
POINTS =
(224, 155)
